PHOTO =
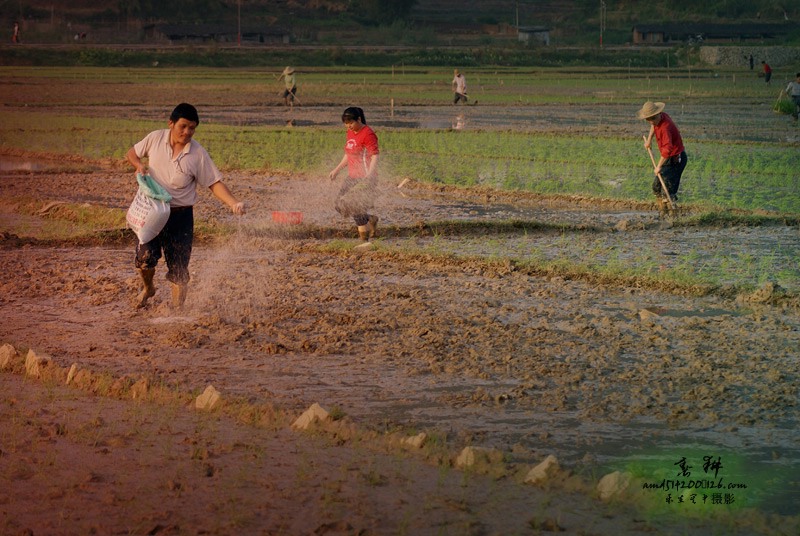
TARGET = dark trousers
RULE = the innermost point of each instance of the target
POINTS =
(290, 93)
(175, 241)
(671, 171)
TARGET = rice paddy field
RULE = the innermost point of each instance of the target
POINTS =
(523, 296)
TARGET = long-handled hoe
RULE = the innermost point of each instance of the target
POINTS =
(672, 206)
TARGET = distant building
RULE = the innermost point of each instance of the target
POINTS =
(655, 34)
(536, 34)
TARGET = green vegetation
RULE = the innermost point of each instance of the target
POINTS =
(379, 22)
(605, 257)
(83, 220)
(725, 170)
(784, 106)
(755, 176)
(203, 55)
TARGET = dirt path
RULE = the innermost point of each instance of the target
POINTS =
(474, 351)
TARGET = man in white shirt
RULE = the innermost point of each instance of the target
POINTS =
(459, 87)
(178, 164)
(793, 91)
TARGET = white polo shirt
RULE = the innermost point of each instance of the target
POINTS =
(180, 175)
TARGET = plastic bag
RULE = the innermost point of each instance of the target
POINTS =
(149, 210)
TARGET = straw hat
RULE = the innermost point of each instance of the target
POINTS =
(455, 72)
(650, 109)
(288, 70)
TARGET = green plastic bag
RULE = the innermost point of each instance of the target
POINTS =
(151, 188)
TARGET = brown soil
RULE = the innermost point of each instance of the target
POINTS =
(472, 351)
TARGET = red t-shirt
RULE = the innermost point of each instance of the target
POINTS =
(668, 138)
(359, 148)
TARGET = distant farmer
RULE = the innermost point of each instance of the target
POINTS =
(767, 71)
(793, 91)
(361, 151)
(290, 86)
(179, 164)
(673, 158)
(459, 87)
(15, 34)
(751, 62)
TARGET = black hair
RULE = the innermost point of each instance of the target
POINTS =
(184, 111)
(352, 113)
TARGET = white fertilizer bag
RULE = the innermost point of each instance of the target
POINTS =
(149, 210)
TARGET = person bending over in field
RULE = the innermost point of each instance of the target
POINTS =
(672, 160)
(179, 164)
(767, 71)
(361, 151)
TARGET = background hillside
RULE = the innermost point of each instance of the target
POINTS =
(380, 22)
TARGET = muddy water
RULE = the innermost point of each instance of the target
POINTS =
(741, 257)
(19, 164)
(752, 123)
(503, 360)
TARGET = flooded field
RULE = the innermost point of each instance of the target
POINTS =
(450, 323)
(434, 332)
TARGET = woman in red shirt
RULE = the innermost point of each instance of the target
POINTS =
(670, 145)
(361, 151)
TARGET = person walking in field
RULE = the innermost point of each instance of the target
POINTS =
(15, 34)
(672, 160)
(767, 71)
(793, 91)
(459, 87)
(361, 151)
(290, 86)
(179, 164)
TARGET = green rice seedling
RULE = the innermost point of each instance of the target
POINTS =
(784, 106)
(733, 163)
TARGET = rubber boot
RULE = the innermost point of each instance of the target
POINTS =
(363, 232)
(148, 289)
(178, 295)
(372, 226)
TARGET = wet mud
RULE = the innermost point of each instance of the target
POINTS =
(432, 332)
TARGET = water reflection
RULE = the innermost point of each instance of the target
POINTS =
(19, 164)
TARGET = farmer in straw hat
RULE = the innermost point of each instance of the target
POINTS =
(179, 164)
(670, 146)
(290, 85)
